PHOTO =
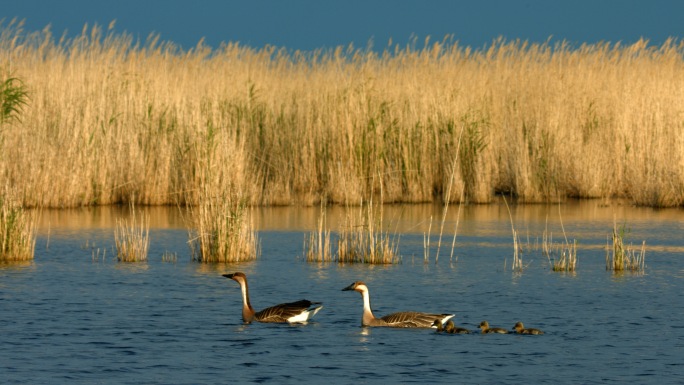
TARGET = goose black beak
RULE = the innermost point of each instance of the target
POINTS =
(228, 275)
(350, 287)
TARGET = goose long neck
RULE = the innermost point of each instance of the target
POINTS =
(247, 309)
(367, 312)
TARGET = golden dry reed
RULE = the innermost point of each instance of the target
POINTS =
(317, 245)
(567, 252)
(222, 229)
(621, 257)
(132, 237)
(110, 117)
(17, 229)
(362, 239)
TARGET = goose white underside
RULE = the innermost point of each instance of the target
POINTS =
(304, 316)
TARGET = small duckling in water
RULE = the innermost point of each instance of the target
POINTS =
(453, 329)
(520, 329)
(484, 325)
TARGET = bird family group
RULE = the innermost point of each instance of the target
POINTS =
(303, 310)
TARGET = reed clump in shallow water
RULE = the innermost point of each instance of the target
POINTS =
(566, 252)
(621, 257)
(222, 230)
(362, 239)
(111, 117)
(567, 257)
(317, 245)
(17, 230)
(132, 237)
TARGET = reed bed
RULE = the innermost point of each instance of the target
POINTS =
(621, 257)
(17, 230)
(109, 117)
(132, 237)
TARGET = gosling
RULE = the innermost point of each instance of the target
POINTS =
(521, 329)
(484, 325)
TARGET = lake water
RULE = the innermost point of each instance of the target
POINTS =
(76, 315)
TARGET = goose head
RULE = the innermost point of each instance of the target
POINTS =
(357, 286)
(484, 325)
(238, 277)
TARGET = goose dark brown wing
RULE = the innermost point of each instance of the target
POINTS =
(284, 311)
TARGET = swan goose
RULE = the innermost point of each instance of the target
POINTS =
(293, 312)
(405, 319)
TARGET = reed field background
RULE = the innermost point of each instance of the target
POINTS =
(110, 119)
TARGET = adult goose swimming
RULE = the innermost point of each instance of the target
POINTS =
(292, 312)
(405, 319)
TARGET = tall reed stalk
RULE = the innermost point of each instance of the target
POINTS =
(566, 251)
(132, 237)
(17, 230)
(517, 265)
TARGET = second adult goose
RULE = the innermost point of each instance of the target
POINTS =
(292, 312)
(405, 319)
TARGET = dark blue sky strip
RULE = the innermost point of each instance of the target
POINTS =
(309, 24)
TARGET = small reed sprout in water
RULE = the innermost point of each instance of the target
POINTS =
(317, 244)
(620, 257)
(517, 265)
(567, 260)
(132, 237)
(222, 229)
(364, 243)
(17, 230)
(169, 257)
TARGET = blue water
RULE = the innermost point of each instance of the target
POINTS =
(68, 317)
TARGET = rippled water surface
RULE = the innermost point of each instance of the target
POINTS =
(75, 315)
